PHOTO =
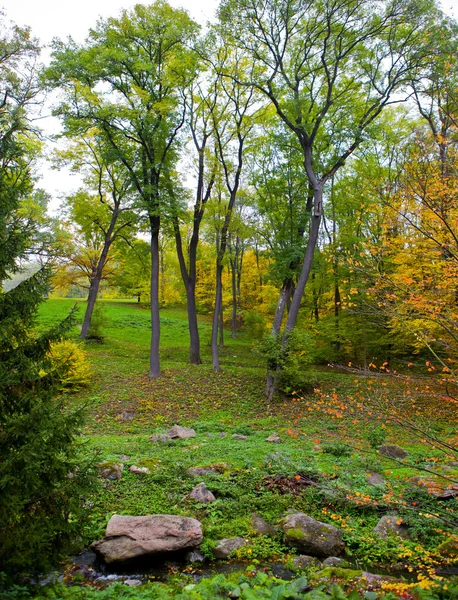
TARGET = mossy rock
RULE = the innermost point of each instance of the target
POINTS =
(339, 573)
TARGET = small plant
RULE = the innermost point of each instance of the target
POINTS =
(337, 449)
(376, 436)
(71, 360)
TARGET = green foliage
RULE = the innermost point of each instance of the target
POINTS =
(289, 359)
(69, 360)
(98, 322)
(337, 449)
(254, 324)
(376, 436)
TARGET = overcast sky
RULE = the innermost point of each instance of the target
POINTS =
(60, 18)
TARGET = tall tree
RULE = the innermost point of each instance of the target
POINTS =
(39, 437)
(329, 68)
(126, 81)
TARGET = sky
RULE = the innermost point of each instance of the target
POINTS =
(60, 18)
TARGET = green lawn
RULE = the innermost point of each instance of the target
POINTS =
(325, 439)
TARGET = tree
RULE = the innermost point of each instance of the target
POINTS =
(329, 68)
(40, 504)
(126, 82)
(100, 214)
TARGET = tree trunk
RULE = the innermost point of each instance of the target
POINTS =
(216, 315)
(221, 323)
(303, 278)
(194, 340)
(234, 297)
(155, 368)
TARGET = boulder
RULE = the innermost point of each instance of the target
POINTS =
(222, 434)
(139, 470)
(195, 557)
(375, 479)
(388, 525)
(310, 536)
(127, 415)
(334, 561)
(393, 451)
(159, 437)
(302, 561)
(202, 494)
(128, 538)
(227, 545)
(274, 438)
(133, 582)
(111, 470)
(261, 526)
(181, 433)
(237, 436)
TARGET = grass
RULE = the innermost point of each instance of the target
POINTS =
(325, 437)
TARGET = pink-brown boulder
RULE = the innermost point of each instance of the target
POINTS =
(127, 538)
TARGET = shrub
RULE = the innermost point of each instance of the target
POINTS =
(71, 364)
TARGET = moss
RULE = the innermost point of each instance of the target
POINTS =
(339, 573)
(295, 534)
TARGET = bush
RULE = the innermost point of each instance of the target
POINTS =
(254, 324)
(71, 364)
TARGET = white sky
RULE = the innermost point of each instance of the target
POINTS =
(61, 18)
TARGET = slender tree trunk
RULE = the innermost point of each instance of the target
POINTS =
(303, 278)
(216, 316)
(234, 297)
(194, 340)
(221, 323)
(155, 368)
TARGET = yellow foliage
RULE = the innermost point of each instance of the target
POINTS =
(69, 358)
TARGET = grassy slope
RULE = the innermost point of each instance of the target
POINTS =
(331, 447)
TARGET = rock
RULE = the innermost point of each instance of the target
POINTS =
(128, 537)
(200, 471)
(388, 525)
(313, 537)
(182, 433)
(334, 561)
(375, 479)
(237, 436)
(261, 526)
(123, 458)
(127, 415)
(133, 582)
(139, 470)
(447, 494)
(393, 451)
(227, 545)
(159, 437)
(202, 494)
(195, 556)
(302, 561)
(274, 438)
(223, 434)
(111, 470)
(372, 578)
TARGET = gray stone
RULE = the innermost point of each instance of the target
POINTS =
(261, 526)
(195, 557)
(393, 451)
(182, 433)
(202, 494)
(237, 436)
(123, 458)
(139, 470)
(127, 537)
(228, 545)
(128, 415)
(274, 438)
(223, 434)
(372, 578)
(313, 537)
(133, 582)
(388, 525)
(334, 561)
(160, 437)
(111, 470)
(200, 471)
(375, 479)
(303, 560)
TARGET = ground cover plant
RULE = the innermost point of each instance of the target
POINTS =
(323, 466)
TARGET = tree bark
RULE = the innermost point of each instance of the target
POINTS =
(155, 367)
(216, 315)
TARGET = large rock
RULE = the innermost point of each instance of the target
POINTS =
(111, 470)
(312, 537)
(393, 451)
(202, 494)
(182, 433)
(390, 524)
(261, 526)
(228, 545)
(127, 538)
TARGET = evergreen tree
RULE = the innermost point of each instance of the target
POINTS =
(42, 475)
